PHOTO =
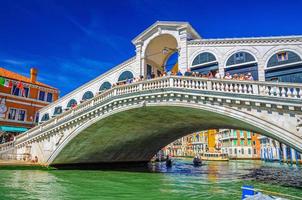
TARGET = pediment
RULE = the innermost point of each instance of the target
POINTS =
(165, 25)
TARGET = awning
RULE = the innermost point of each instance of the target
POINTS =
(13, 129)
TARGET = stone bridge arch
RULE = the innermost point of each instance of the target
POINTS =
(136, 132)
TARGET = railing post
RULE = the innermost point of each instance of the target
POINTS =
(255, 88)
(209, 85)
(171, 82)
(140, 87)
(114, 92)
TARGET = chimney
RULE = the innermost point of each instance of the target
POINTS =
(33, 75)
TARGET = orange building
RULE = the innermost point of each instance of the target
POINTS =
(21, 98)
(256, 145)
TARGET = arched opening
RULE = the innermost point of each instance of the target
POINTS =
(242, 63)
(146, 131)
(87, 95)
(160, 56)
(45, 117)
(58, 110)
(125, 76)
(72, 103)
(284, 66)
(105, 86)
(204, 63)
(171, 64)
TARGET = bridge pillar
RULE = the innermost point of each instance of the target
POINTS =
(139, 59)
(183, 51)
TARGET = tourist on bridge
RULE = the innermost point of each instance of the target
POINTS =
(228, 76)
(179, 73)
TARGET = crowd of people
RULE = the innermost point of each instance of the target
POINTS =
(215, 74)
(6, 137)
(211, 74)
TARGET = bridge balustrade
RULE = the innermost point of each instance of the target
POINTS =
(274, 90)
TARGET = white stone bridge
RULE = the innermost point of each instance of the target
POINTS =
(130, 123)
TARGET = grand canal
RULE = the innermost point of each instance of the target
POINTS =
(214, 180)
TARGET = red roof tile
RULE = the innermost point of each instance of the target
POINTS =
(12, 75)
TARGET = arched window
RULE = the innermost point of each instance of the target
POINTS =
(72, 103)
(283, 57)
(242, 63)
(45, 117)
(126, 75)
(105, 86)
(284, 66)
(204, 63)
(203, 58)
(58, 110)
(87, 95)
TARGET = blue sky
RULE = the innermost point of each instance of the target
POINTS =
(71, 42)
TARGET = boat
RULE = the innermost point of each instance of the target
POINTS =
(168, 162)
(251, 193)
(197, 161)
(215, 156)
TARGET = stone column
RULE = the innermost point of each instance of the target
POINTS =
(139, 58)
(261, 74)
(183, 51)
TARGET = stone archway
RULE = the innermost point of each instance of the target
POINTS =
(136, 134)
(157, 52)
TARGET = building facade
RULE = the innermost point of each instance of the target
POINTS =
(21, 98)
(272, 150)
(240, 144)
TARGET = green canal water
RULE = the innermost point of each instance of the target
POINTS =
(214, 180)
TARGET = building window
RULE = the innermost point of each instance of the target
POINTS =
(26, 92)
(283, 56)
(16, 114)
(249, 151)
(21, 115)
(249, 142)
(241, 142)
(12, 114)
(254, 143)
(239, 56)
(241, 134)
(41, 95)
(235, 151)
(235, 142)
(49, 97)
(242, 151)
(37, 117)
(255, 151)
(15, 91)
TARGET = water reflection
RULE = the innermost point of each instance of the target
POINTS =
(213, 180)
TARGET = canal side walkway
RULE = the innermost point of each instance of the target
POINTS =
(17, 163)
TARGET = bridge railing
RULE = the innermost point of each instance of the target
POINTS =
(278, 90)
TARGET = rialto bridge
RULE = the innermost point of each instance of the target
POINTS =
(131, 122)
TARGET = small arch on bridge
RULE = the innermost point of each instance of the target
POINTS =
(105, 86)
(204, 63)
(242, 62)
(45, 117)
(284, 66)
(71, 103)
(58, 110)
(87, 95)
(126, 75)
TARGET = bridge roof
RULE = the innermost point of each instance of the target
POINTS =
(168, 24)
